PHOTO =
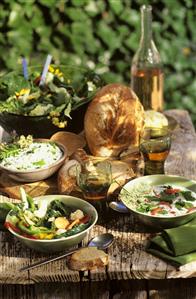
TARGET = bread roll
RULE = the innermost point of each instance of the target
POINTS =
(70, 140)
(113, 120)
(87, 259)
(66, 178)
(154, 119)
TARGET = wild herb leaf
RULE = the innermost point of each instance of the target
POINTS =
(187, 195)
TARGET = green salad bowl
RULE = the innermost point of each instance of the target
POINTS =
(55, 245)
(129, 196)
(41, 126)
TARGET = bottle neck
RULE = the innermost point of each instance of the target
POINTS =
(146, 25)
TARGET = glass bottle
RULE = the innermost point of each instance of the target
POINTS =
(146, 69)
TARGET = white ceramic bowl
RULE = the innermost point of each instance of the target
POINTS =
(37, 174)
(54, 245)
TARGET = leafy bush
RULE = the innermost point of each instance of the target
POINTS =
(104, 36)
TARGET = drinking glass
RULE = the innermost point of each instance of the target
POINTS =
(155, 146)
(94, 179)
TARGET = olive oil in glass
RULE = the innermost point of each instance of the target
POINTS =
(146, 69)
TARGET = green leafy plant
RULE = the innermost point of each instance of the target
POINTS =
(103, 35)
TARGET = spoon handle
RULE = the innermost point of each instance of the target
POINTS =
(46, 261)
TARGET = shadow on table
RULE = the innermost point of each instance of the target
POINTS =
(113, 220)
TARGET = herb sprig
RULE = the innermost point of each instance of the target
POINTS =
(13, 148)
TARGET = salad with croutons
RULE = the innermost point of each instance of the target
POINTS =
(40, 220)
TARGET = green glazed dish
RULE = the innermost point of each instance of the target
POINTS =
(54, 245)
(133, 192)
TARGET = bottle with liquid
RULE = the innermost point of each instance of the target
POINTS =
(147, 69)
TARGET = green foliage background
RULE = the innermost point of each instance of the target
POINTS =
(103, 34)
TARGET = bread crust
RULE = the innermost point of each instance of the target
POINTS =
(88, 259)
(66, 181)
(70, 140)
(113, 120)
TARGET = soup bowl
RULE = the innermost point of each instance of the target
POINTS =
(135, 194)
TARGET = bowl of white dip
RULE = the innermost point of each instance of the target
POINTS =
(36, 161)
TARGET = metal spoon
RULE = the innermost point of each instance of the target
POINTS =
(102, 241)
(119, 207)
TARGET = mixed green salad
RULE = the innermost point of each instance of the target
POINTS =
(60, 94)
(161, 200)
(40, 220)
(26, 154)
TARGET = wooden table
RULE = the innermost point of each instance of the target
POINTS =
(132, 273)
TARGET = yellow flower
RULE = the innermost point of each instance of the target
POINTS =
(55, 121)
(62, 124)
(59, 124)
(51, 69)
(22, 92)
(25, 141)
(54, 114)
(56, 72)
(186, 51)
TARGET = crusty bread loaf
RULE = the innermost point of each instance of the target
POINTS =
(66, 178)
(88, 258)
(70, 140)
(80, 155)
(113, 120)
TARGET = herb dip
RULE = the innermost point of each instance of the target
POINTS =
(37, 155)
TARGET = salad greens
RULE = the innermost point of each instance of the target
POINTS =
(59, 95)
(40, 220)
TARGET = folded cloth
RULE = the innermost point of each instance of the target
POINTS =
(176, 245)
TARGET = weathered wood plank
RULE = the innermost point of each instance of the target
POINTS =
(128, 289)
(86, 290)
(172, 288)
(17, 292)
(182, 158)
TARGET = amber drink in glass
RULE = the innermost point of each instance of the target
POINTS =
(94, 179)
(155, 146)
